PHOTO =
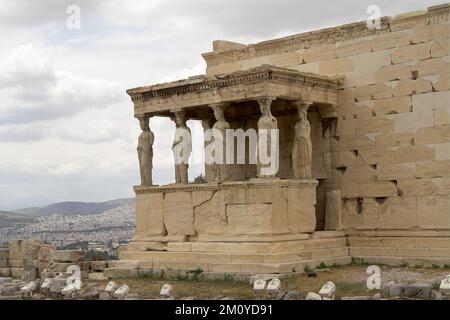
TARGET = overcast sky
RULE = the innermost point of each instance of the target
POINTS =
(67, 131)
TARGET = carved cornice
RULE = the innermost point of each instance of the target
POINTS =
(265, 73)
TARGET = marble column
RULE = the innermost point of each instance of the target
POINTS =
(145, 151)
(181, 147)
(302, 147)
(267, 125)
(219, 169)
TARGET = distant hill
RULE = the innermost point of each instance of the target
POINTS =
(8, 219)
(74, 208)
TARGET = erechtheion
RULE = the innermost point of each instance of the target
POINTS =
(364, 161)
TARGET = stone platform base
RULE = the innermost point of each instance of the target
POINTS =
(231, 255)
(396, 248)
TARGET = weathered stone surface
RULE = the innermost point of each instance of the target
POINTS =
(97, 276)
(293, 295)
(410, 87)
(319, 53)
(434, 211)
(69, 255)
(433, 169)
(418, 290)
(432, 32)
(98, 265)
(333, 211)
(392, 289)
(313, 296)
(393, 72)
(411, 53)
(432, 67)
(24, 249)
(149, 215)
(373, 92)
(5, 272)
(391, 40)
(178, 214)
(117, 273)
(336, 66)
(4, 254)
(57, 284)
(353, 47)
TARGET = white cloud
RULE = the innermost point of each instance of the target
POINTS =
(31, 90)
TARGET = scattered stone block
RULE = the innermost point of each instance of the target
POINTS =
(259, 287)
(292, 295)
(444, 287)
(46, 284)
(14, 297)
(122, 292)
(273, 287)
(328, 290)
(376, 296)
(436, 295)
(97, 276)
(4, 254)
(166, 290)
(104, 296)
(37, 296)
(5, 280)
(418, 290)
(57, 284)
(392, 289)
(68, 290)
(313, 296)
(5, 272)
(111, 287)
(28, 288)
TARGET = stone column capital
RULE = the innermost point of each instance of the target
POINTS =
(179, 117)
(301, 105)
(218, 108)
(265, 100)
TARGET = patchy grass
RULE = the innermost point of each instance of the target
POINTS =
(350, 281)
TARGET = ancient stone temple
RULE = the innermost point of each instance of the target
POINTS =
(362, 149)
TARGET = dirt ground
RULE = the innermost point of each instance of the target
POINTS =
(349, 280)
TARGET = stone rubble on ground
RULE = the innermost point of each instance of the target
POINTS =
(313, 296)
(27, 290)
(444, 287)
(122, 292)
(166, 290)
(328, 290)
(259, 287)
(273, 287)
(111, 287)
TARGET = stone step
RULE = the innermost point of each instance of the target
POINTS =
(400, 252)
(400, 242)
(203, 257)
(127, 269)
(426, 262)
(254, 247)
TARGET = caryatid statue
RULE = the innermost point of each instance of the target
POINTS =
(181, 147)
(268, 150)
(219, 168)
(302, 148)
(207, 126)
(145, 151)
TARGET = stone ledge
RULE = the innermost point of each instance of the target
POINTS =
(252, 183)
